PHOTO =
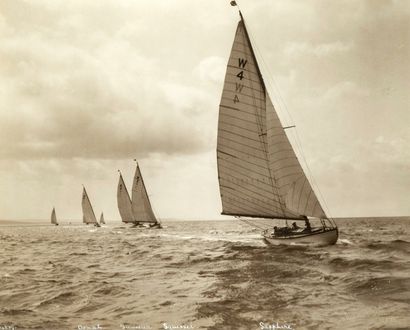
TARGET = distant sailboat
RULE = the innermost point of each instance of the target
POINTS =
(141, 205)
(54, 217)
(88, 212)
(258, 171)
(102, 221)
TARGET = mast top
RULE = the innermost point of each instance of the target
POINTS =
(234, 4)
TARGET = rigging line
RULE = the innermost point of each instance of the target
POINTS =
(280, 99)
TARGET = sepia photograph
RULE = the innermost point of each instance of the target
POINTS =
(214, 164)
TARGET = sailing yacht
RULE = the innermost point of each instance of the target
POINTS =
(88, 212)
(102, 221)
(138, 210)
(141, 205)
(54, 217)
(258, 171)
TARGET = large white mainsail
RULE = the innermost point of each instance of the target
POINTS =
(88, 212)
(124, 202)
(54, 217)
(259, 174)
(141, 206)
(102, 221)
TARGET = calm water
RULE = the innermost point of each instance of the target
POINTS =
(203, 275)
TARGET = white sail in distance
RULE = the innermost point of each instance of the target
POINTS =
(259, 174)
(53, 217)
(141, 206)
(102, 221)
(88, 212)
(124, 202)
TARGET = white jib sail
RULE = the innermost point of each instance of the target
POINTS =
(88, 212)
(141, 206)
(102, 221)
(53, 217)
(124, 202)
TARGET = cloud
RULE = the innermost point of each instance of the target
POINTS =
(92, 95)
(320, 50)
(212, 69)
(87, 86)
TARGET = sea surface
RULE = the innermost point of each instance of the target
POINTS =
(203, 275)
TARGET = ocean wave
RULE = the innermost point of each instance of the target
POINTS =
(363, 263)
(109, 290)
(25, 271)
(393, 245)
(387, 287)
(344, 241)
(64, 298)
(78, 254)
(16, 311)
(216, 237)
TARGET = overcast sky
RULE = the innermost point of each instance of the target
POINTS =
(87, 86)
